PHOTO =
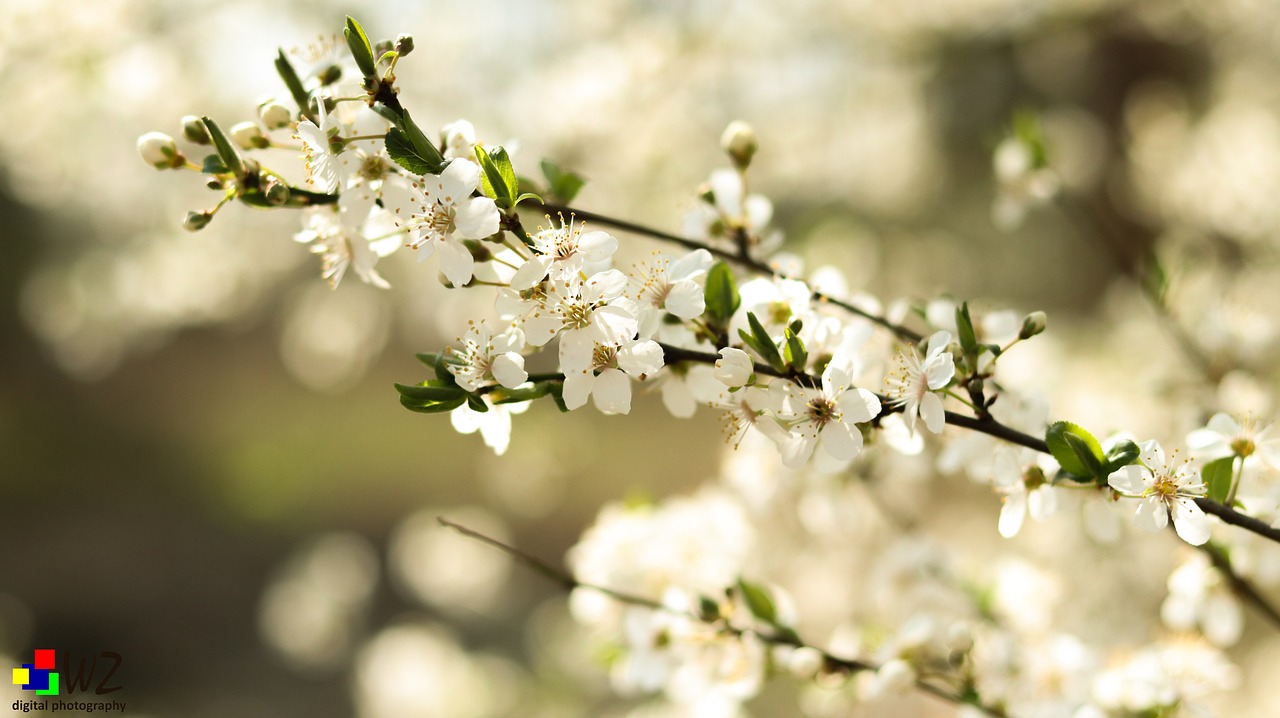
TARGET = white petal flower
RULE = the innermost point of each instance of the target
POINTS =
(447, 214)
(1162, 487)
(488, 358)
(915, 380)
(826, 415)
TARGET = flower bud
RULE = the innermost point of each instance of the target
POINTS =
(329, 75)
(404, 44)
(197, 221)
(277, 193)
(805, 662)
(274, 115)
(733, 368)
(193, 130)
(1032, 324)
(897, 676)
(739, 142)
(960, 637)
(248, 136)
(160, 151)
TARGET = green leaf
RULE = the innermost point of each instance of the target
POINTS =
(498, 178)
(431, 407)
(407, 156)
(430, 391)
(476, 403)
(794, 352)
(964, 325)
(529, 196)
(721, 294)
(759, 602)
(226, 150)
(428, 358)
(1217, 478)
(1065, 451)
(1085, 453)
(764, 343)
(213, 165)
(1121, 455)
(502, 395)
(361, 50)
(291, 81)
(410, 148)
(560, 183)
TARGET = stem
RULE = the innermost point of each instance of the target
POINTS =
(567, 582)
(1236, 475)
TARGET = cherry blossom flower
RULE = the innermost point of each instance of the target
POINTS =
(671, 288)
(828, 415)
(601, 370)
(488, 357)
(914, 383)
(1161, 488)
(447, 214)
(562, 252)
(1225, 436)
(340, 246)
(1025, 490)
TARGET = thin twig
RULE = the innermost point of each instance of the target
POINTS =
(567, 582)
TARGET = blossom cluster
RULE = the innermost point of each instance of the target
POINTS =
(803, 368)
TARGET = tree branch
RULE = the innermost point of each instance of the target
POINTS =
(567, 582)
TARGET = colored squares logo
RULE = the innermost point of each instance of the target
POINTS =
(39, 675)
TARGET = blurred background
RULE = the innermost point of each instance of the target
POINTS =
(205, 468)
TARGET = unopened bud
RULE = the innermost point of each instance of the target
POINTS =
(739, 142)
(329, 75)
(404, 45)
(960, 637)
(1032, 324)
(160, 151)
(193, 130)
(248, 136)
(733, 368)
(274, 115)
(277, 193)
(897, 676)
(805, 662)
(479, 252)
(197, 221)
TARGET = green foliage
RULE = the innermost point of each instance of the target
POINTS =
(793, 349)
(562, 184)
(1217, 478)
(498, 177)
(760, 341)
(1077, 452)
(291, 81)
(964, 325)
(758, 601)
(721, 295)
(226, 150)
(361, 50)
(411, 149)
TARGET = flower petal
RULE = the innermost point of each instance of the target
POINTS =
(1013, 513)
(932, 412)
(533, 271)
(1152, 514)
(1190, 522)
(640, 358)
(577, 387)
(456, 262)
(841, 440)
(508, 369)
(612, 392)
(686, 300)
(1131, 480)
(476, 218)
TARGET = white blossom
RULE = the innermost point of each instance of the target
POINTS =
(1161, 488)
